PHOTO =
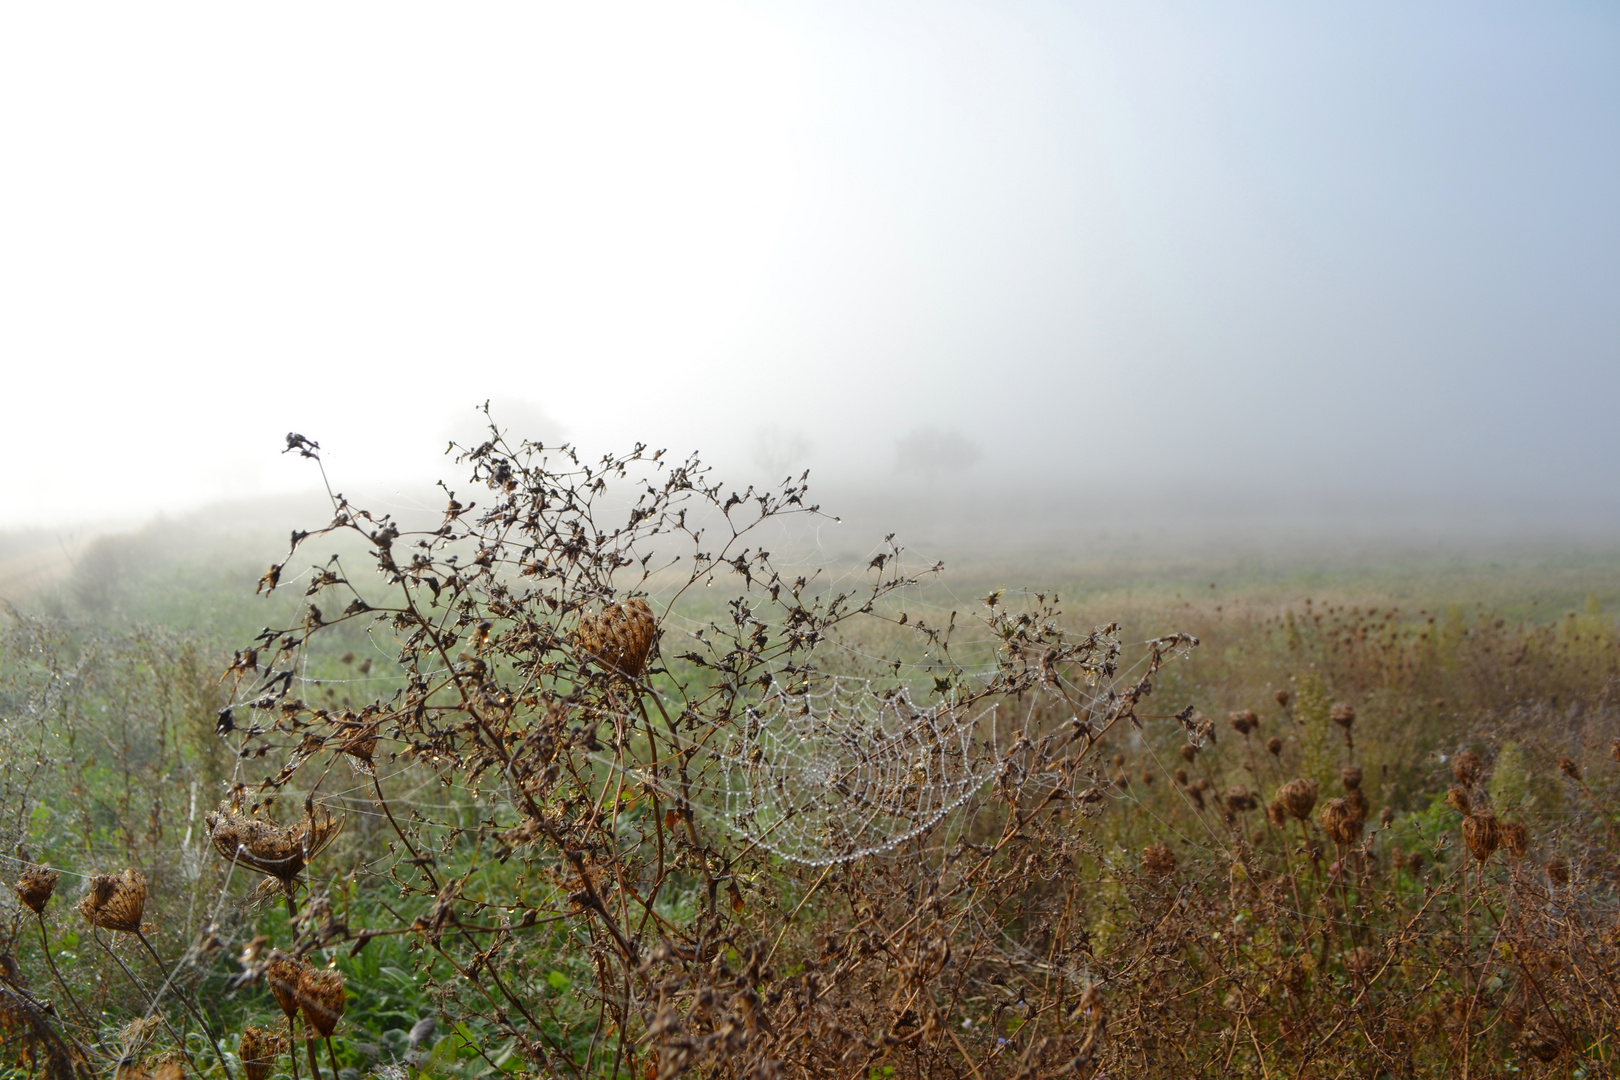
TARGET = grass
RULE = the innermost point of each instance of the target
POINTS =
(1155, 921)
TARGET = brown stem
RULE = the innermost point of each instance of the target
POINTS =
(192, 1009)
(51, 961)
(309, 1044)
(151, 1002)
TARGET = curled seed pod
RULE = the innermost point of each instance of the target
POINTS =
(1238, 800)
(1569, 768)
(1482, 833)
(1181, 777)
(1458, 800)
(35, 886)
(620, 637)
(275, 850)
(1277, 813)
(1558, 870)
(1414, 862)
(1515, 838)
(259, 1050)
(1350, 776)
(1338, 819)
(286, 978)
(1274, 744)
(1158, 860)
(1281, 697)
(1119, 761)
(1467, 768)
(323, 999)
(1188, 752)
(1358, 803)
(1298, 798)
(115, 901)
(1202, 784)
(1386, 816)
(1343, 715)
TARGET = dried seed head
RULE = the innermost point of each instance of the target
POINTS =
(1414, 862)
(1181, 777)
(1515, 838)
(259, 1050)
(1569, 768)
(1298, 798)
(1188, 752)
(1467, 768)
(1274, 744)
(115, 901)
(1238, 800)
(1458, 800)
(1558, 870)
(1614, 749)
(1119, 761)
(1277, 813)
(1358, 803)
(272, 849)
(620, 637)
(1386, 816)
(1482, 833)
(1294, 977)
(1350, 777)
(323, 998)
(1281, 698)
(286, 978)
(1343, 715)
(35, 886)
(1340, 821)
(1243, 722)
(1158, 860)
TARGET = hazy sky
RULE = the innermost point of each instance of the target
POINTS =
(1359, 248)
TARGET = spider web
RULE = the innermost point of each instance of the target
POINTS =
(838, 768)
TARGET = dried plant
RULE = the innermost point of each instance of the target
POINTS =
(258, 1051)
(35, 886)
(115, 901)
(261, 844)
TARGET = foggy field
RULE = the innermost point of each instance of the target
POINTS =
(781, 540)
(881, 820)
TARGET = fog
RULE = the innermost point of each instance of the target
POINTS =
(1059, 270)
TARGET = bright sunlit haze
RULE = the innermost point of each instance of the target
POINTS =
(1245, 260)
